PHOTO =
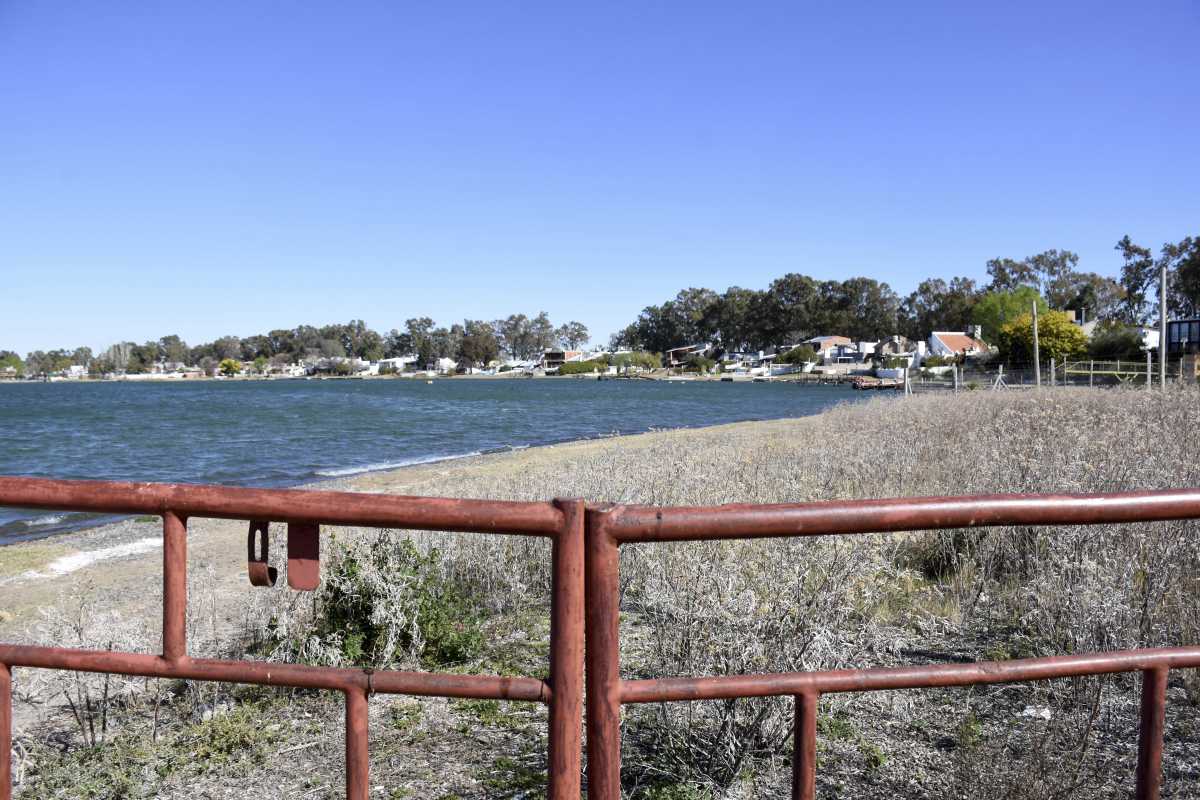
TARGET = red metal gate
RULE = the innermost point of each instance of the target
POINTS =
(562, 521)
(608, 528)
(584, 540)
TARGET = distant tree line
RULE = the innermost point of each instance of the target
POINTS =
(471, 343)
(796, 307)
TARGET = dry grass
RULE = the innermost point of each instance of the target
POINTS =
(718, 608)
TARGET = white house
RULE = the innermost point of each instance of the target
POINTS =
(396, 364)
(952, 343)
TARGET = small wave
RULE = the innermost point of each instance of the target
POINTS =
(344, 471)
(48, 519)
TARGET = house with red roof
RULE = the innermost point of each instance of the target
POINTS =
(953, 343)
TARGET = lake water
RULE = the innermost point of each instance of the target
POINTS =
(283, 433)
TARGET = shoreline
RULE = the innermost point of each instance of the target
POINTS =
(321, 477)
(120, 562)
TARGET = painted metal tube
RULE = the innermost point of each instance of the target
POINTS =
(804, 747)
(5, 732)
(566, 653)
(358, 759)
(648, 524)
(274, 674)
(603, 661)
(914, 677)
(174, 626)
(1150, 734)
(284, 505)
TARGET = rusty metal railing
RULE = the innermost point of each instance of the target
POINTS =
(585, 555)
(610, 527)
(561, 521)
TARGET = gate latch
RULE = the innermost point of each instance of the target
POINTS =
(304, 555)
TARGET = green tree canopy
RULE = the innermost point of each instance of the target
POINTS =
(996, 309)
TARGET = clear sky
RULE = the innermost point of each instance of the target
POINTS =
(227, 168)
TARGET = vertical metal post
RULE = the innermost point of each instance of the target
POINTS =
(602, 628)
(1052, 368)
(1037, 355)
(358, 762)
(174, 635)
(1091, 373)
(5, 732)
(566, 652)
(804, 747)
(1150, 737)
(1162, 325)
(1148, 373)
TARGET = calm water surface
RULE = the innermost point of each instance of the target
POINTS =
(282, 433)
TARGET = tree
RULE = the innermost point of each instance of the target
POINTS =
(260, 364)
(1116, 341)
(573, 335)
(227, 347)
(1137, 278)
(1058, 338)
(478, 346)
(9, 359)
(1057, 276)
(418, 330)
(938, 306)
(397, 344)
(1182, 261)
(1008, 275)
(871, 309)
(1096, 297)
(230, 367)
(788, 311)
(82, 356)
(542, 332)
(1051, 272)
(142, 358)
(734, 319)
(996, 309)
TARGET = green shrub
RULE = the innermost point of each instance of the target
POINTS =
(1116, 342)
(799, 355)
(699, 364)
(385, 599)
(640, 359)
(938, 361)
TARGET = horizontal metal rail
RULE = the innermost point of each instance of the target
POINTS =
(285, 505)
(609, 527)
(561, 521)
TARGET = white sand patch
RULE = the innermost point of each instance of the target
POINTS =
(76, 561)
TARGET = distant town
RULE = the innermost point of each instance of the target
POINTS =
(797, 324)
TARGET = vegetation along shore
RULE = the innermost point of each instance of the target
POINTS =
(460, 602)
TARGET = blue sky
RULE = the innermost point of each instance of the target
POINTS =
(209, 169)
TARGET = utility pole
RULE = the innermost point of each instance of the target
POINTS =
(1162, 326)
(1037, 356)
